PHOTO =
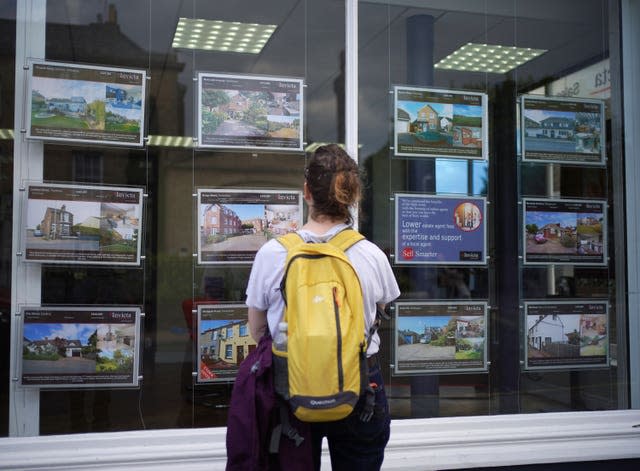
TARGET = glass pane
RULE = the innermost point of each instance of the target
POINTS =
(460, 48)
(166, 39)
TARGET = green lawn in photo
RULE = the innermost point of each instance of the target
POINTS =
(593, 350)
(120, 363)
(122, 247)
(58, 121)
(466, 350)
(118, 123)
(589, 230)
(471, 121)
(468, 355)
(129, 126)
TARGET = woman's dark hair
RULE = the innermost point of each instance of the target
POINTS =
(334, 182)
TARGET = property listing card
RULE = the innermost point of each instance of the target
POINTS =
(567, 334)
(440, 337)
(440, 123)
(234, 224)
(562, 130)
(80, 347)
(83, 224)
(564, 231)
(250, 112)
(81, 103)
(223, 341)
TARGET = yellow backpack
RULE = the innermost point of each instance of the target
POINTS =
(323, 371)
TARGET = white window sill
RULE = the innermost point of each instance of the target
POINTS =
(439, 443)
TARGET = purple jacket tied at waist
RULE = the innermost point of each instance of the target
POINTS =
(254, 412)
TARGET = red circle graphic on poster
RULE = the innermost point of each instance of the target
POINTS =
(408, 253)
(467, 216)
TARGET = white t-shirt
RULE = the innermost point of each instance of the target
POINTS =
(378, 284)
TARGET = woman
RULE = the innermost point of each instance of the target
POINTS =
(332, 186)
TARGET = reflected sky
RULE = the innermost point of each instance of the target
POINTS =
(452, 177)
(80, 332)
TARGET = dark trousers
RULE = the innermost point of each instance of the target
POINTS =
(355, 445)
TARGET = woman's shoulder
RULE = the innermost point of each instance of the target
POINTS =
(268, 259)
(270, 248)
(367, 244)
(368, 248)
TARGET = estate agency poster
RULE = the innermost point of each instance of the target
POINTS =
(437, 337)
(249, 112)
(440, 123)
(234, 224)
(79, 103)
(562, 130)
(80, 347)
(83, 224)
(564, 231)
(571, 334)
(440, 230)
(223, 341)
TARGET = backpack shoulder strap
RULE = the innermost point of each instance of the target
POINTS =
(290, 240)
(346, 238)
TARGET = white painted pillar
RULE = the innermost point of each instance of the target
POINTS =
(631, 88)
(351, 83)
(24, 404)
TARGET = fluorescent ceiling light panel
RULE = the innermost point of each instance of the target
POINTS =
(488, 58)
(216, 35)
(6, 134)
(170, 141)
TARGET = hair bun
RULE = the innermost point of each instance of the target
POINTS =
(333, 179)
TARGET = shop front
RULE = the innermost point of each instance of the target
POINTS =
(148, 150)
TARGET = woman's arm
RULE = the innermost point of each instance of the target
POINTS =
(257, 323)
